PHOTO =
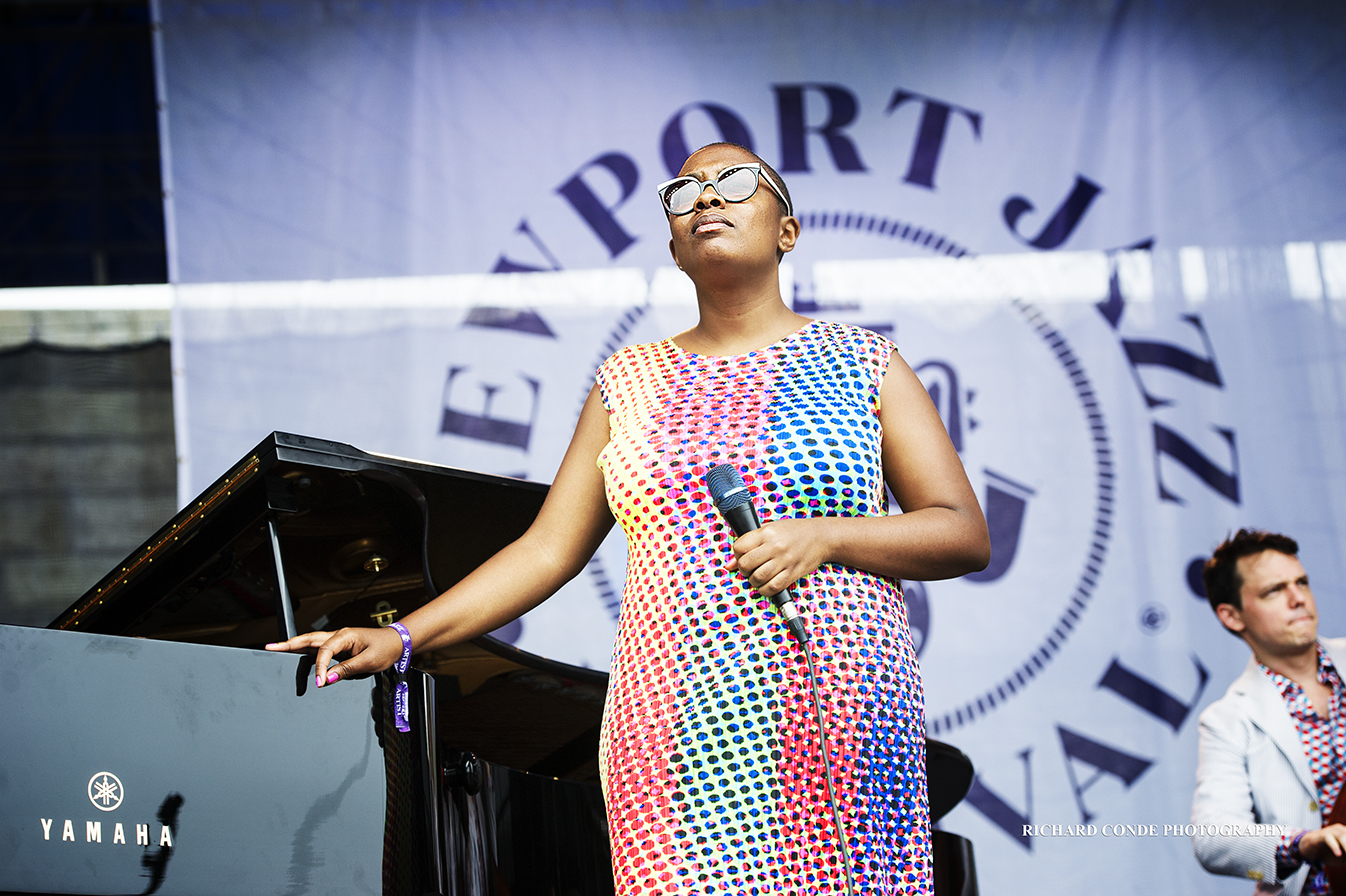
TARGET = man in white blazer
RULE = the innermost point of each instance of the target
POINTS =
(1271, 748)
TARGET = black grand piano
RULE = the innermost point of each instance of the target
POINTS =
(149, 745)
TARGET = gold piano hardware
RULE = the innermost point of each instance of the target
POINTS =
(384, 613)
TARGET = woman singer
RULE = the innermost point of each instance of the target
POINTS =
(717, 777)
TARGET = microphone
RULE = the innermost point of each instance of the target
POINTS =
(734, 501)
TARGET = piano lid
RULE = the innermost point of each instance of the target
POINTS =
(362, 537)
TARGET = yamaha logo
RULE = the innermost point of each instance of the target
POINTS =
(106, 791)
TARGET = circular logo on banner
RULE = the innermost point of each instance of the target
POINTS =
(105, 791)
(1025, 418)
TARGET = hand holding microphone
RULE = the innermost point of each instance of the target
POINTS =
(734, 501)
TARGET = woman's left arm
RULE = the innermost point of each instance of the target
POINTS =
(940, 533)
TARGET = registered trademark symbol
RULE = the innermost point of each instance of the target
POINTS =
(1153, 619)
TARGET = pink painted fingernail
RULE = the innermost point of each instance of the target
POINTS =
(317, 680)
(333, 677)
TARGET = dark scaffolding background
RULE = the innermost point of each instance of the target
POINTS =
(81, 201)
(87, 464)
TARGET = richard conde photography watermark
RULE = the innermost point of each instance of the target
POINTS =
(1155, 830)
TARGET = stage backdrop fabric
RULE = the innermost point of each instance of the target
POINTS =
(1116, 413)
(316, 139)
(343, 178)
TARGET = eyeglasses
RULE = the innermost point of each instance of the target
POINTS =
(734, 184)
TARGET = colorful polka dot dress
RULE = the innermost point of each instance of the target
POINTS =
(710, 751)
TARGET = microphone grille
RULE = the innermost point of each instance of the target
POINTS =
(726, 485)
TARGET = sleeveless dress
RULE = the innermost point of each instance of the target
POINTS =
(710, 751)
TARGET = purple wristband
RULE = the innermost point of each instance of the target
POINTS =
(1294, 847)
(402, 664)
(401, 716)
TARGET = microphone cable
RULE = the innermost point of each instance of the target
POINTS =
(827, 762)
(732, 499)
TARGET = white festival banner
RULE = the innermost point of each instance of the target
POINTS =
(358, 194)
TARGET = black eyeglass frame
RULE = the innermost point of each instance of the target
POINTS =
(702, 184)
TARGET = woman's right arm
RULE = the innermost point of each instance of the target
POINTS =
(571, 524)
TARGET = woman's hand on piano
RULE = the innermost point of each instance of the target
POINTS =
(367, 650)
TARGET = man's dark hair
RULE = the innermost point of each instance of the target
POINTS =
(1221, 575)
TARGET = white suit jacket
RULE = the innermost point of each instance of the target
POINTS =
(1252, 769)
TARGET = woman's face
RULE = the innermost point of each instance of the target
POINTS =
(751, 232)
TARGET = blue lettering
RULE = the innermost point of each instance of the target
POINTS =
(483, 426)
(1163, 354)
(673, 142)
(1000, 813)
(519, 320)
(1105, 760)
(1149, 696)
(1063, 223)
(1006, 506)
(842, 110)
(505, 265)
(598, 216)
(930, 134)
(1168, 442)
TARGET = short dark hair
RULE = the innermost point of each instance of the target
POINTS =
(766, 166)
(1220, 574)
